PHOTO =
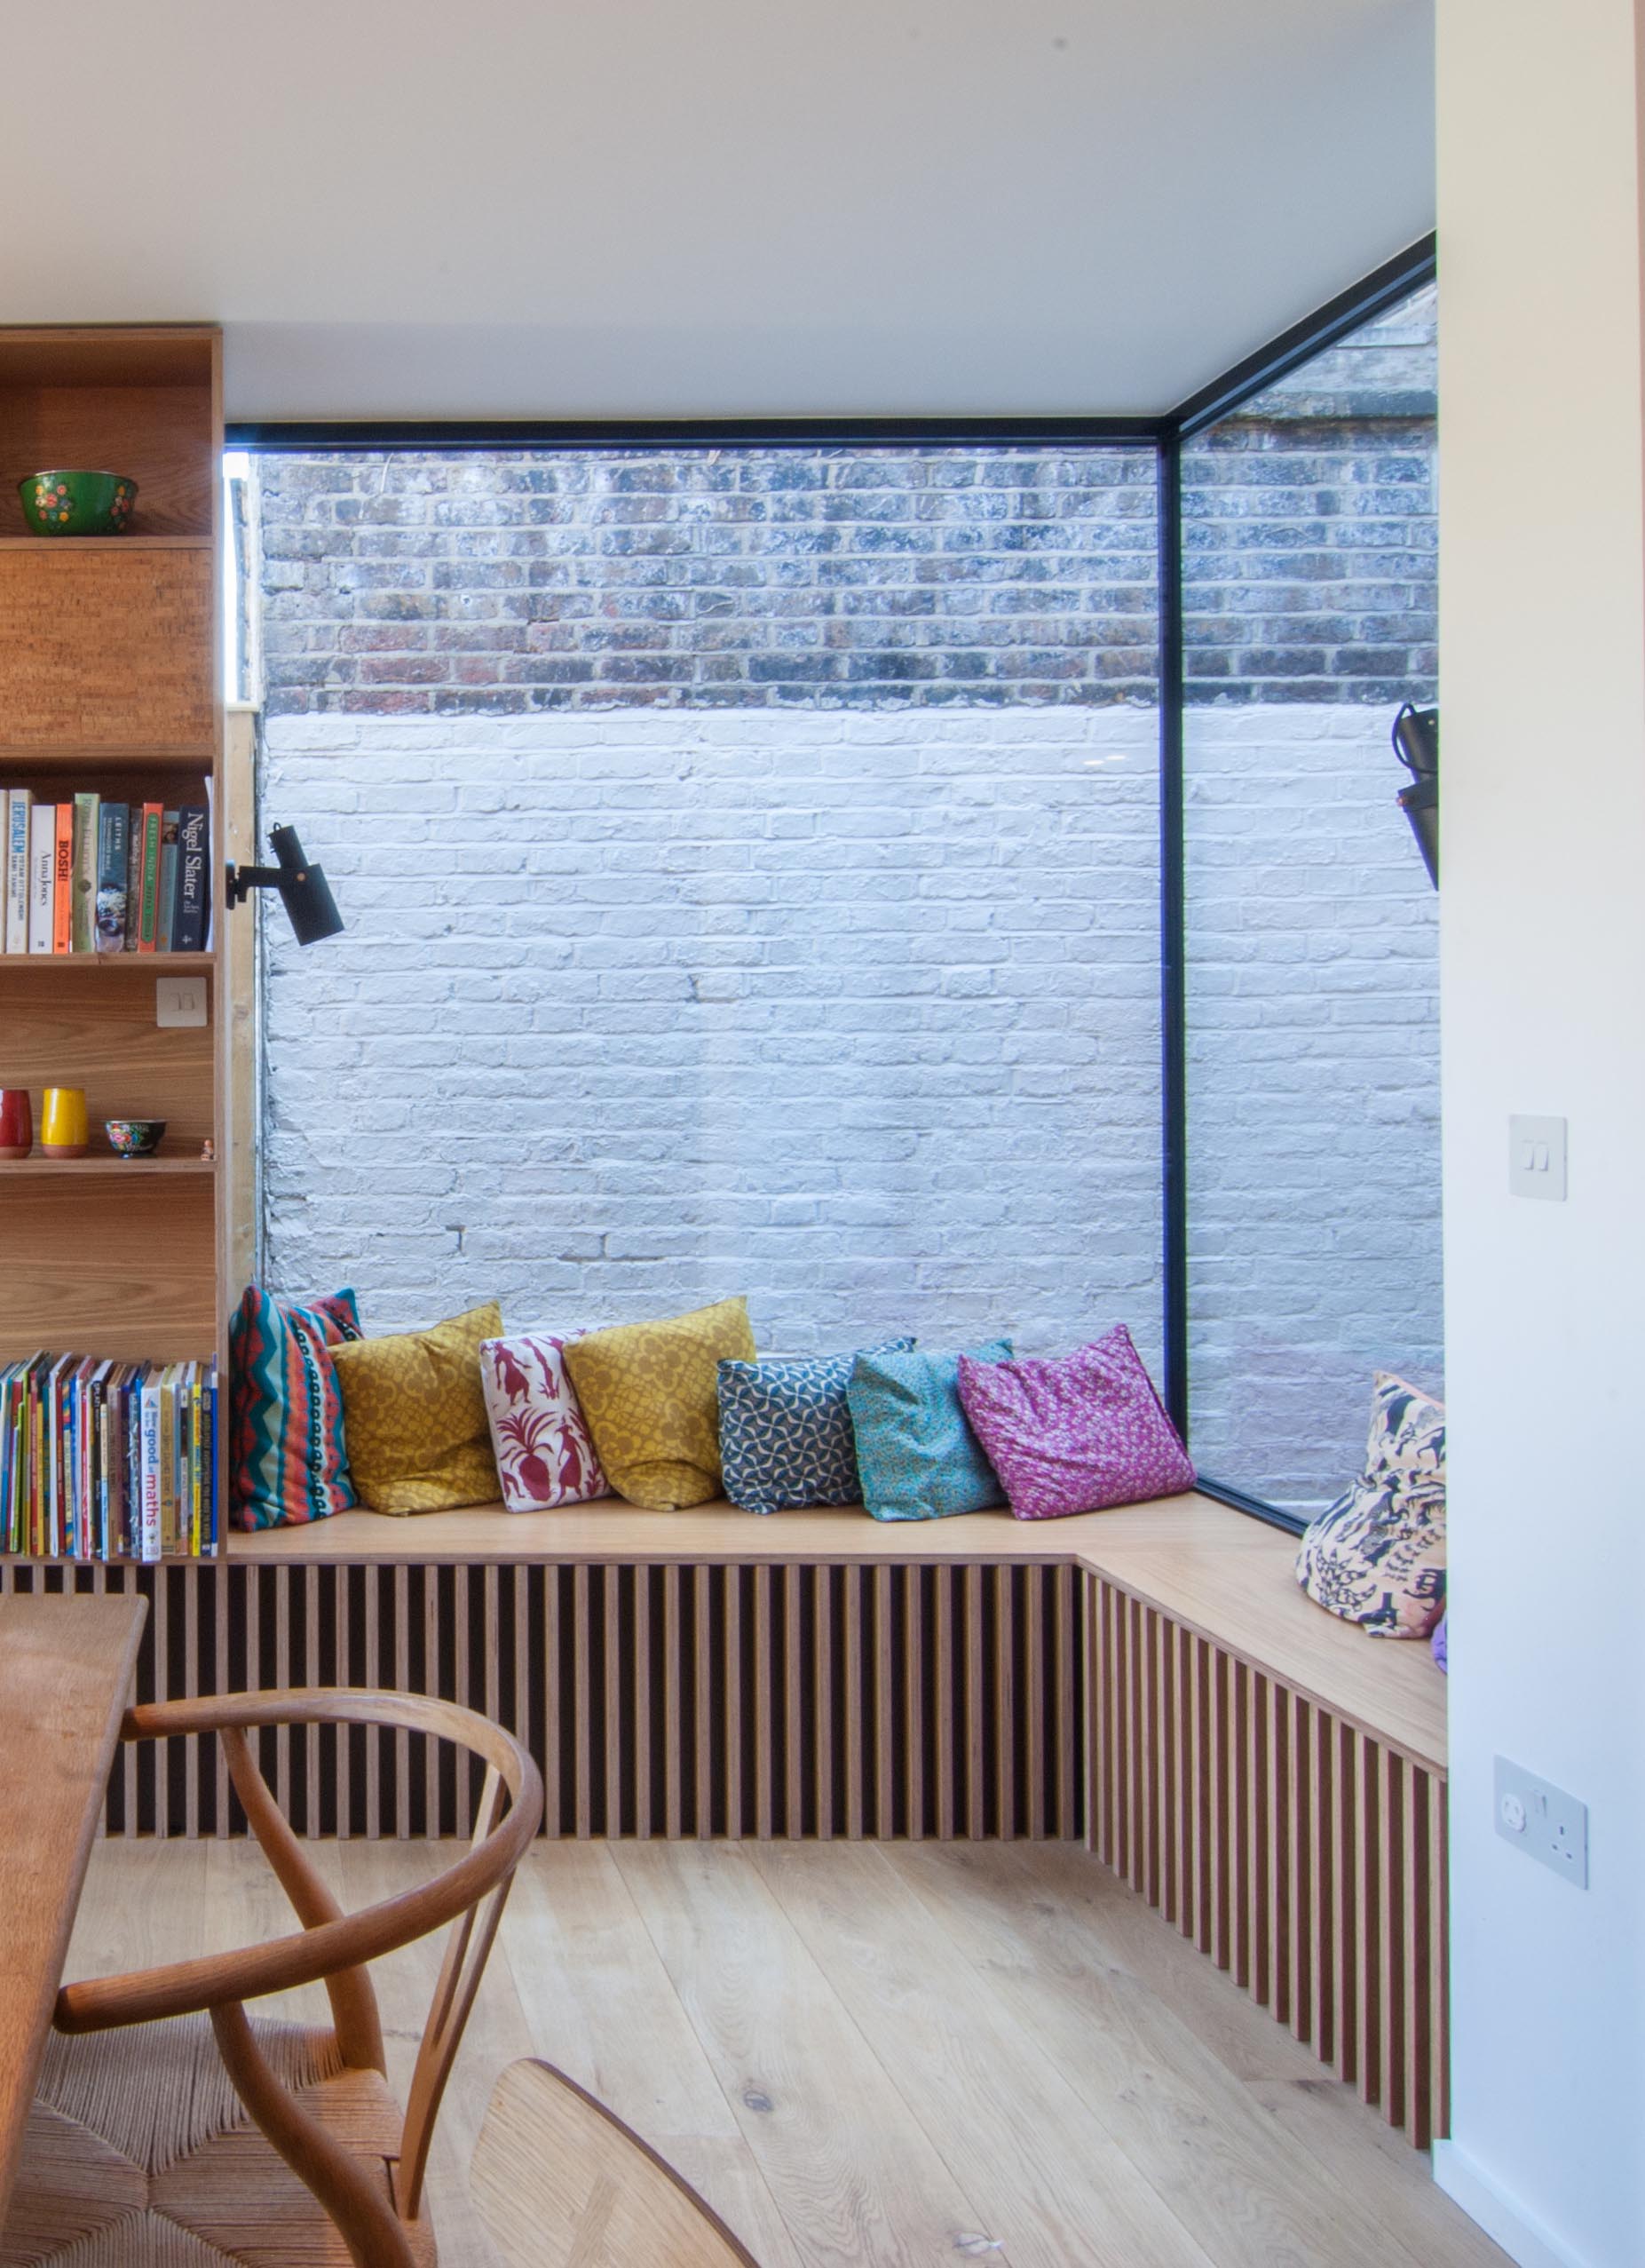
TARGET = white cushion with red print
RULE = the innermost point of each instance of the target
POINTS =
(545, 1452)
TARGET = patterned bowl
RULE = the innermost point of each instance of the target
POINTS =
(134, 1137)
(77, 503)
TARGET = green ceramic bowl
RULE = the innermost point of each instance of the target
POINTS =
(77, 503)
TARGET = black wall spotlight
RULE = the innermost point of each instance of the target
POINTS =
(1416, 744)
(303, 888)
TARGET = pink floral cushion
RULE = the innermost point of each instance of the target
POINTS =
(545, 1453)
(1077, 1435)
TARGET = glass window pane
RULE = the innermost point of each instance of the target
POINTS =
(750, 861)
(1313, 1036)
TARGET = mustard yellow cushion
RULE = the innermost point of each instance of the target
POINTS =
(414, 1416)
(649, 1393)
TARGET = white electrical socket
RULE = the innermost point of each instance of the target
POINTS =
(179, 1001)
(1543, 1820)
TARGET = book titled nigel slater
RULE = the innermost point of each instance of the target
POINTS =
(189, 922)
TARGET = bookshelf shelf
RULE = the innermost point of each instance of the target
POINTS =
(110, 1167)
(95, 544)
(90, 760)
(153, 964)
(110, 688)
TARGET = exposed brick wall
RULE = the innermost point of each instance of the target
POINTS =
(519, 581)
(1310, 542)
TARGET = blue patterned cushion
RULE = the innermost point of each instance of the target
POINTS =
(786, 1431)
(916, 1454)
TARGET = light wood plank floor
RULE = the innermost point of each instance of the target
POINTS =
(892, 2054)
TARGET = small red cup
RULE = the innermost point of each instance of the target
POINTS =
(17, 1122)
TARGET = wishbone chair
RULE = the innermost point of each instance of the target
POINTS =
(186, 2131)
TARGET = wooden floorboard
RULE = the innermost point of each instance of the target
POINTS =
(884, 2054)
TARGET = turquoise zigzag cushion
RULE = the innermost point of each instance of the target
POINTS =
(287, 1460)
(786, 1431)
(916, 1454)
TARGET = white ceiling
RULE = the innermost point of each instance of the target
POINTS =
(673, 207)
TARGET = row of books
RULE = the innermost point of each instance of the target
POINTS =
(108, 1460)
(91, 876)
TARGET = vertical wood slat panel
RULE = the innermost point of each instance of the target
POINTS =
(682, 1700)
(884, 1702)
(1297, 1851)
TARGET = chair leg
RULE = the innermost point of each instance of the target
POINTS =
(365, 2218)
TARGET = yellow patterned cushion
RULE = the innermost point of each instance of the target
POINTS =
(649, 1393)
(414, 1416)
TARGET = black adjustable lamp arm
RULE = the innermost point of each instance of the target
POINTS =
(243, 880)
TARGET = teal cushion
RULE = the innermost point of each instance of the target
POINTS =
(916, 1454)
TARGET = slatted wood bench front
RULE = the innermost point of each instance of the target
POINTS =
(1151, 1679)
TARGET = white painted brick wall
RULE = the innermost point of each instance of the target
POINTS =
(857, 1012)
(853, 1011)
(1314, 1093)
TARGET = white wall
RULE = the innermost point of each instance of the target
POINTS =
(1543, 955)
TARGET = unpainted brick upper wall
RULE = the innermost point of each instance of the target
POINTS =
(519, 582)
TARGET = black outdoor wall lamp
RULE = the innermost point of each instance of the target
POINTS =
(1416, 744)
(303, 888)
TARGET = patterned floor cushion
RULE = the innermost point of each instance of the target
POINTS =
(1377, 1556)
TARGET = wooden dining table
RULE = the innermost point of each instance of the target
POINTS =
(66, 1669)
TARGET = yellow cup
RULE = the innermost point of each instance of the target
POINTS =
(63, 1129)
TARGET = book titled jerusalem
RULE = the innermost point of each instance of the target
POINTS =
(113, 829)
(18, 802)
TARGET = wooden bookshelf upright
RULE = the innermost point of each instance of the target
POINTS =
(110, 680)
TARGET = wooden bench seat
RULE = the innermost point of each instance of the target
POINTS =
(1273, 1780)
(1173, 1552)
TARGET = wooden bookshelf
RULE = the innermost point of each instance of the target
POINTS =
(110, 681)
(112, 965)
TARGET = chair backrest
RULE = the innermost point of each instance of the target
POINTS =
(558, 2179)
(332, 1946)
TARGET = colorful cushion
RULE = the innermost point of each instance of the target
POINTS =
(287, 1461)
(1377, 1556)
(786, 1431)
(414, 1416)
(916, 1454)
(650, 1394)
(544, 1451)
(1440, 1643)
(1078, 1435)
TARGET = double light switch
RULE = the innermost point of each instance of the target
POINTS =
(1537, 1157)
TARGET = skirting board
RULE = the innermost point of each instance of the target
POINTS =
(1503, 2219)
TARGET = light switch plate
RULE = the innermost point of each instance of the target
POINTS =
(1543, 1820)
(1536, 1158)
(179, 1001)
